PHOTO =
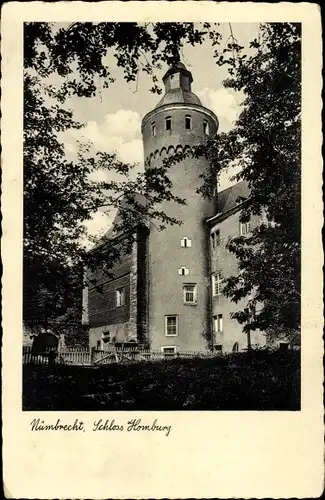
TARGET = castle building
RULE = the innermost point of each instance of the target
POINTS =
(167, 292)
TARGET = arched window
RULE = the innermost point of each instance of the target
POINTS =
(205, 127)
(186, 242)
(153, 129)
(183, 271)
(188, 122)
(168, 122)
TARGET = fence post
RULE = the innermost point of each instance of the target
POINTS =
(92, 355)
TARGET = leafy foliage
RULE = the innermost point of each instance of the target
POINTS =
(81, 48)
(59, 195)
(265, 143)
(265, 381)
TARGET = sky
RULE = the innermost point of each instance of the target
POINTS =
(113, 118)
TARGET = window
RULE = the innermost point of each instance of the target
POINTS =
(188, 122)
(98, 345)
(174, 81)
(183, 271)
(186, 242)
(189, 294)
(153, 129)
(171, 326)
(106, 337)
(218, 347)
(205, 128)
(244, 228)
(169, 352)
(168, 123)
(216, 283)
(217, 323)
(264, 221)
(120, 297)
(215, 239)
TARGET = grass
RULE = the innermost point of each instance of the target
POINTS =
(266, 381)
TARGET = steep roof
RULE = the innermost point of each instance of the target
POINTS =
(182, 94)
(231, 196)
(110, 233)
(179, 95)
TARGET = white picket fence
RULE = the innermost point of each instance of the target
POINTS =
(85, 357)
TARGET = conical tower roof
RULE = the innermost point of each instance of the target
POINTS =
(177, 82)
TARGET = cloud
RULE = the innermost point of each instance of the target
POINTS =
(119, 132)
(97, 226)
(224, 103)
(124, 123)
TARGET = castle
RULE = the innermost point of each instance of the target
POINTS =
(167, 292)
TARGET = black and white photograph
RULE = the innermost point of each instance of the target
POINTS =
(162, 175)
(169, 260)
(162, 178)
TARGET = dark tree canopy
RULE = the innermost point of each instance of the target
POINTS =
(265, 143)
(59, 195)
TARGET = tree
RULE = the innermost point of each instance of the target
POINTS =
(59, 196)
(265, 143)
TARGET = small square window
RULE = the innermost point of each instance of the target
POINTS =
(218, 347)
(190, 294)
(169, 352)
(120, 297)
(171, 326)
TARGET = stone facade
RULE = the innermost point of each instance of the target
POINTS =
(177, 123)
(227, 333)
(169, 289)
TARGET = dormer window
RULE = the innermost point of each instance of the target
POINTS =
(153, 129)
(244, 228)
(168, 123)
(188, 122)
(240, 199)
(205, 127)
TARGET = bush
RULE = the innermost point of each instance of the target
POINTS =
(262, 381)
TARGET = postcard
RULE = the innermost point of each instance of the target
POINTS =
(162, 251)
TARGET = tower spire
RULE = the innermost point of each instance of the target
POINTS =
(177, 76)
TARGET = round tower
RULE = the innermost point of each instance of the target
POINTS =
(178, 292)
